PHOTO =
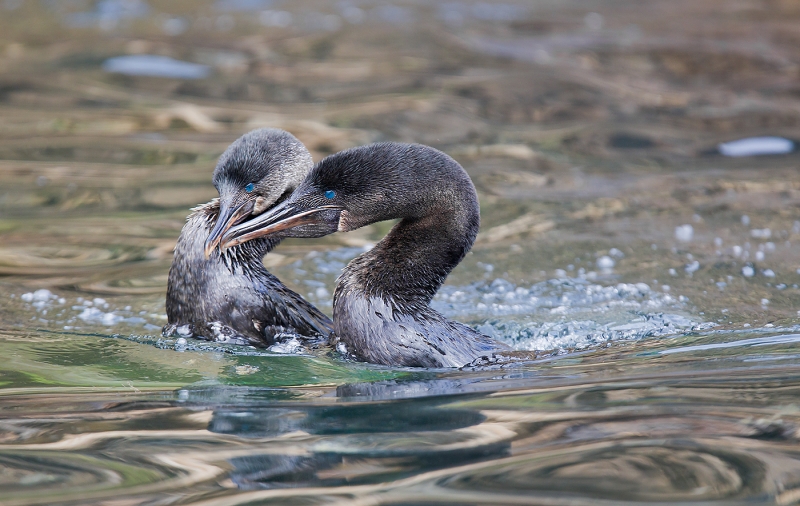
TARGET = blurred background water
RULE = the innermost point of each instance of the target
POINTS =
(637, 170)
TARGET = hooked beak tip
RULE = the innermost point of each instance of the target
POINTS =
(210, 245)
(278, 220)
(228, 217)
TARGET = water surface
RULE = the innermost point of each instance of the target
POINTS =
(647, 280)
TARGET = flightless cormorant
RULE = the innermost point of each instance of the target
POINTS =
(381, 308)
(230, 296)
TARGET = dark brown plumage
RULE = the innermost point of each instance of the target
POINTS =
(230, 296)
(381, 306)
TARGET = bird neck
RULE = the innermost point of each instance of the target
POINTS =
(248, 256)
(409, 265)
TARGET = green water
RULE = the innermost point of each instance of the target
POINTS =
(655, 364)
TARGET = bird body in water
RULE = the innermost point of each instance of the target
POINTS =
(381, 308)
(230, 296)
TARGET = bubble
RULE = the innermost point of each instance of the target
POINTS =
(41, 295)
(605, 263)
(684, 233)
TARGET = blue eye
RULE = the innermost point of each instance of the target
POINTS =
(329, 194)
(250, 187)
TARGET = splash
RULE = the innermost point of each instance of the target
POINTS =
(559, 315)
(566, 314)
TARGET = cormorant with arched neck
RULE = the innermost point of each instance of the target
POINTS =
(230, 296)
(381, 308)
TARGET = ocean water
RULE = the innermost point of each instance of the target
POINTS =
(640, 207)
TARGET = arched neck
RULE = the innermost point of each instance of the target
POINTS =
(409, 265)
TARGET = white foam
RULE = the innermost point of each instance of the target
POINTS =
(94, 315)
(291, 346)
(567, 313)
(582, 334)
(38, 296)
(89, 312)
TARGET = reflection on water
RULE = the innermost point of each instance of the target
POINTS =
(692, 437)
(638, 250)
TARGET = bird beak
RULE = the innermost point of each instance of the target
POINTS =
(282, 217)
(228, 217)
